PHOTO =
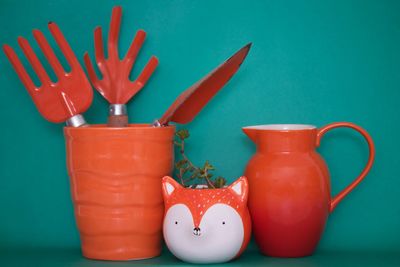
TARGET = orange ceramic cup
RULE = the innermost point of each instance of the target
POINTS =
(116, 188)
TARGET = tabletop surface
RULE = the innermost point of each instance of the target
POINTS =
(251, 257)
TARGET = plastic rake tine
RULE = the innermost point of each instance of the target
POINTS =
(59, 101)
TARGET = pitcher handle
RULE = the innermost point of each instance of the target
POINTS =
(366, 169)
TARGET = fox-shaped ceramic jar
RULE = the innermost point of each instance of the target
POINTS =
(206, 225)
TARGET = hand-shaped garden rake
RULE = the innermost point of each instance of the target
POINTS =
(115, 85)
(59, 101)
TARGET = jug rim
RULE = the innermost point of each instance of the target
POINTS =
(282, 127)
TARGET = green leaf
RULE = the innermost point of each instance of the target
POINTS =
(195, 174)
(180, 164)
(182, 134)
(208, 166)
(219, 182)
(177, 144)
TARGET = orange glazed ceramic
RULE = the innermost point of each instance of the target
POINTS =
(289, 187)
(116, 178)
(203, 225)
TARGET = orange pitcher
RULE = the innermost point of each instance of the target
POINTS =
(116, 188)
(289, 187)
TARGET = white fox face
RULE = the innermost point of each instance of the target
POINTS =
(218, 238)
(206, 225)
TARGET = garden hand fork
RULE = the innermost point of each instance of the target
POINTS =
(70, 95)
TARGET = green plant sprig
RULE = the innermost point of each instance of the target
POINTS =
(186, 171)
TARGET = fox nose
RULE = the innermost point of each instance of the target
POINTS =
(196, 231)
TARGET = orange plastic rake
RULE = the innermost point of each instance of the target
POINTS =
(115, 86)
(60, 101)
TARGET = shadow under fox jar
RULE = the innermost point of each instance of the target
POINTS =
(206, 225)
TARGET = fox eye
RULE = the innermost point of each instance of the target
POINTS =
(176, 222)
(223, 222)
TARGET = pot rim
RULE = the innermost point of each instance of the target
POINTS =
(132, 126)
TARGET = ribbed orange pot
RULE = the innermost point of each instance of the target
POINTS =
(116, 188)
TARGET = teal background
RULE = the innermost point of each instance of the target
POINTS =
(311, 62)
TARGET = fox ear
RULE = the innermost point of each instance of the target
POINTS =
(169, 186)
(241, 188)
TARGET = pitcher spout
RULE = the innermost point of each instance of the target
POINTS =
(251, 133)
